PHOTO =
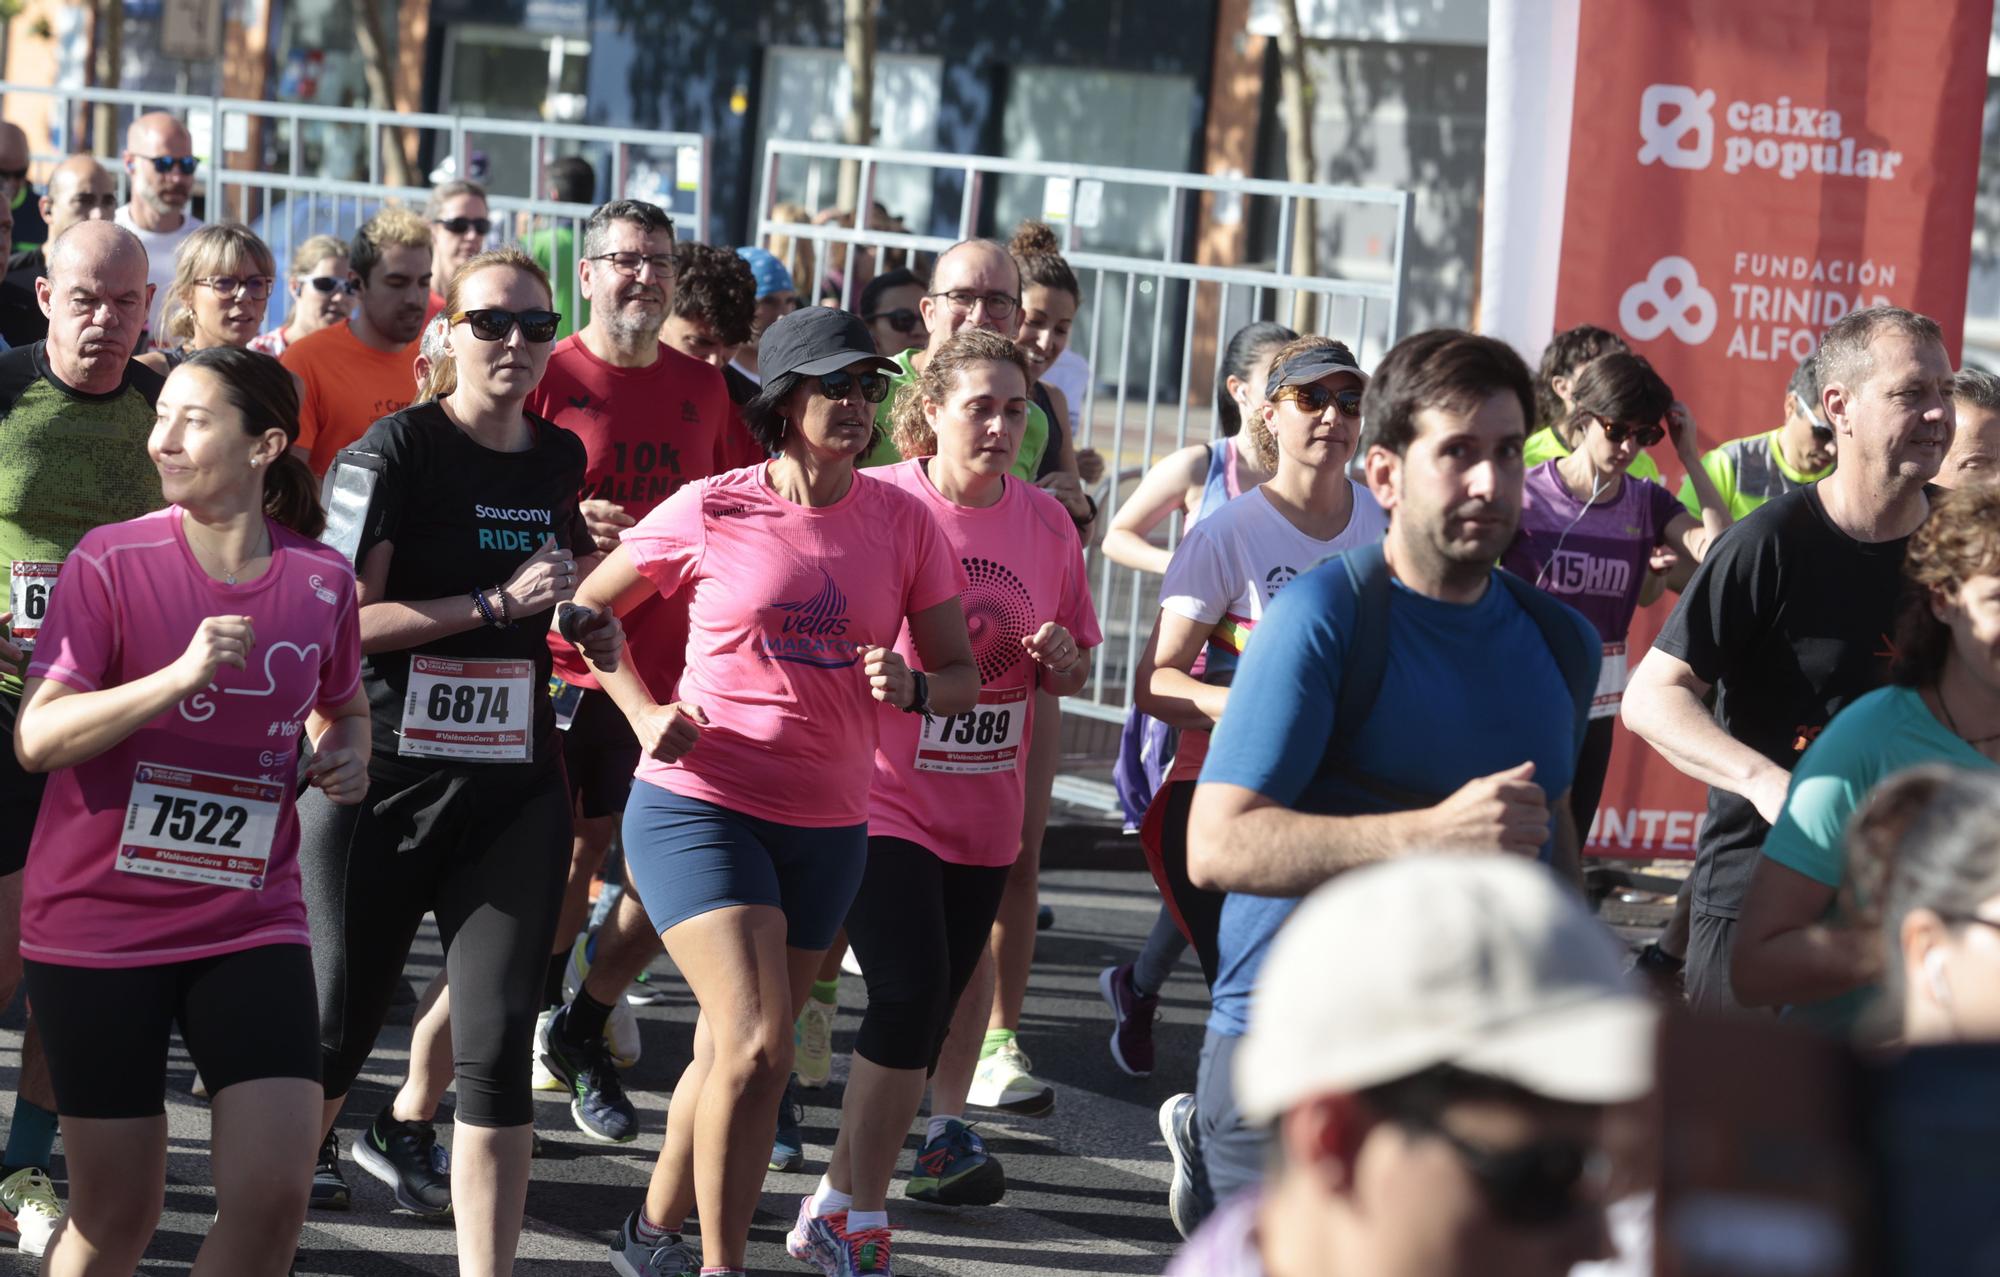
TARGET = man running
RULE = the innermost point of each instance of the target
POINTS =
(1787, 619)
(159, 161)
(1751, 470)
(75, 413)
(79, 190)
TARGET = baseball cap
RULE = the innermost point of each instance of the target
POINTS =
(818, 339)
(1311, 365)
(770, 274)
(1481, 962)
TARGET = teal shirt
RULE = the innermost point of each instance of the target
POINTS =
(1884, 732)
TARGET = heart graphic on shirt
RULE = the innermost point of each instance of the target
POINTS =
(300, 656)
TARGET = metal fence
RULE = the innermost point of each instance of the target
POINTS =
(1153, 322)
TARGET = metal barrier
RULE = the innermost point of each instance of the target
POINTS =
(1128, 234)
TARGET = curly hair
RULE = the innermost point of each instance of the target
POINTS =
(1038, 253)
(908, 425)
(715, 287)
(1959, 541)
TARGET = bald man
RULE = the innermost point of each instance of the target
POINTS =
(75, 411)
(15, 192)
(80, 189)
(159, 161)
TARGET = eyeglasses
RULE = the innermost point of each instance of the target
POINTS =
(1617, 434)
(1315, 396)
(902, 319)
(840, 385)
(493, 324)
(460, 225)
(164, 164)
(330, 284)
(628, 264)
(998, 305)
(256, 287)
(1531, 1186)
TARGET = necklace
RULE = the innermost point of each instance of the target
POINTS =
(1949, 721)
(263, 547)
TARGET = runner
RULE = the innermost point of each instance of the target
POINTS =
(75, 412)
(164, 880)
(1751, 470)
(160, 165)
(1788, 620)
(943, 791)
(891, 306)
(1565, 355)
(1588, 529)
(79, 190)
(356, 373)
(222, 283)
(1799, 945)
(746, 829)
(464, 534)
(1975, 446)
(322, 294)
(459, 223)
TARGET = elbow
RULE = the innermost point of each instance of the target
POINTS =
(1634, 709)
(30, 750)
(954, 690)
(1205, 835)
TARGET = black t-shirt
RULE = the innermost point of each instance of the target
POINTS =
(22, 322)
(1789, 618)
(463, 517)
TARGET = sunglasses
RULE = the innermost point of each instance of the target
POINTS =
(902, 319)
(1617, 434)
(164, 164)
(1315, 396)
(330, 284)
(840, 385)
(493, 324)
(460, 225)
(256, 287)
(1821, 431)
(1531, 1186)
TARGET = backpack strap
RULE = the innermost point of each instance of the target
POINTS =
(1577, 654)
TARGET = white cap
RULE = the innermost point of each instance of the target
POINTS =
(1482, 962)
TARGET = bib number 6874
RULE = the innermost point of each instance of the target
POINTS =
(465, 704)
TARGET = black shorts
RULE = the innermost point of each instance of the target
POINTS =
(20, 795)
(244, 1016)
(600, 753)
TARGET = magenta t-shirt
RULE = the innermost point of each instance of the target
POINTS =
(956, 785)
(782, 600)
(181, 841)
(1596, 563)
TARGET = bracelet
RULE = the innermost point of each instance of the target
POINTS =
(506, 621)
(479, 597)
(920, 696)
(1088, 518)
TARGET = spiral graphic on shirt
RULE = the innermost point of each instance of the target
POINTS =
(999, 613)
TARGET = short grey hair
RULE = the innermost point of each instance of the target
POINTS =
(1844, 358)
(649, 217)
(1977, 387)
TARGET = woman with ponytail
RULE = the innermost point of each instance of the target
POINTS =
(183, 658)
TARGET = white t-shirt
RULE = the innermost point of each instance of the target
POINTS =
(1070, 374)
(160, 249)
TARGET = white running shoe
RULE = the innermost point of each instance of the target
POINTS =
(1003, 1081)
(814, 1060)
(28, 1203)
(621, 1031)
(539, 1077)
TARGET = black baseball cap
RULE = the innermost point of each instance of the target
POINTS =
(1310, 366)
(818, 339)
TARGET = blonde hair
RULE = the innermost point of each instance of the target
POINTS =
(213, 248)
(316, 250)
(443, 376)
(908, 425)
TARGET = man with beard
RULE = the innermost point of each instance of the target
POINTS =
(1463, 736)
(160, 162)
(354, 374)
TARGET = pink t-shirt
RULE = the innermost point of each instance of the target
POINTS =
(782, 599)
(956, 785)
(181, 841)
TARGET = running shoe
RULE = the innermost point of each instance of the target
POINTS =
(1045, 917)
(621, 1031)
(1132, 1015)
(407, 1157)
(598, 1104)
(1188, 1189)
(956, 1170)
(668, 1257)
(814, 1037)
(824, 1242)
(329, 1190)
(788, 1147)
(30, 1209)
(539, 1077)
(644, 992)
(1004, 1081)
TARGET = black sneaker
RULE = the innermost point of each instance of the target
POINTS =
(329, 1190)
(1188, 1191)
(407, 1157)
(598, 1104)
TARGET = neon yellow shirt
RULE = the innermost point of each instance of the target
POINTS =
(1748, 472)
(883, 452)
(1546, 445)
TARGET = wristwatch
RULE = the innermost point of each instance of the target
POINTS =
(920, 702)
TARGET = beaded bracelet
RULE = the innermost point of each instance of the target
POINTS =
(479, 597)
(506, 621)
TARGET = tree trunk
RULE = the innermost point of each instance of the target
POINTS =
(858, 128)
(1298, 155)
(368, 33)
(107, 61)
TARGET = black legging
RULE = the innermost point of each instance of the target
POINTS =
(490, 863)
(1200, 909)
(918, 926)
(1591, 764)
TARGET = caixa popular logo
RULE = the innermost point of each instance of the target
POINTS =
(1680, 126)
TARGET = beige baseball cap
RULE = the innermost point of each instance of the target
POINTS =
(1482, 962)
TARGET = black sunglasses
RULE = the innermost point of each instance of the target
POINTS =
(902, 319)
(330, 284)
(460, 225)
(168, 163)
(1532, 1186)
(1315, 396)
(840, 385)
(493, 323)
(1616, 433)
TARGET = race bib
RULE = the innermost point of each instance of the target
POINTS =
(1611, 680)
(28, 586)
(199, 827)
(479, 711)
(986, 738)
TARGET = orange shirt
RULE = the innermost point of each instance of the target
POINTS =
(349, 386)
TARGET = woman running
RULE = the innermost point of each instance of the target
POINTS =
(465, 534)
(222, 283)
(182, 656)
(746, 832)
(322, 294)
(946, 795)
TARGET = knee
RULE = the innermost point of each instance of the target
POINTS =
(906, 1030)
(268, 1211)
(755, 1058)
(115, 1218)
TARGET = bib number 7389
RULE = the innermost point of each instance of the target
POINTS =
(986, 738)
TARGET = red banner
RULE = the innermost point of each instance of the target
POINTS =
(1741, 174)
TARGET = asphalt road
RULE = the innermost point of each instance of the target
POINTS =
(1086, 1184)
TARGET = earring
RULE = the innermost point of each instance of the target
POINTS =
(255, 462)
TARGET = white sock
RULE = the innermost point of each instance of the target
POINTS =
(862, 1220)
(828, 1200)
(936, 1128)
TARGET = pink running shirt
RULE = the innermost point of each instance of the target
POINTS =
(782, 600)
(181, 841)
(957, 789)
